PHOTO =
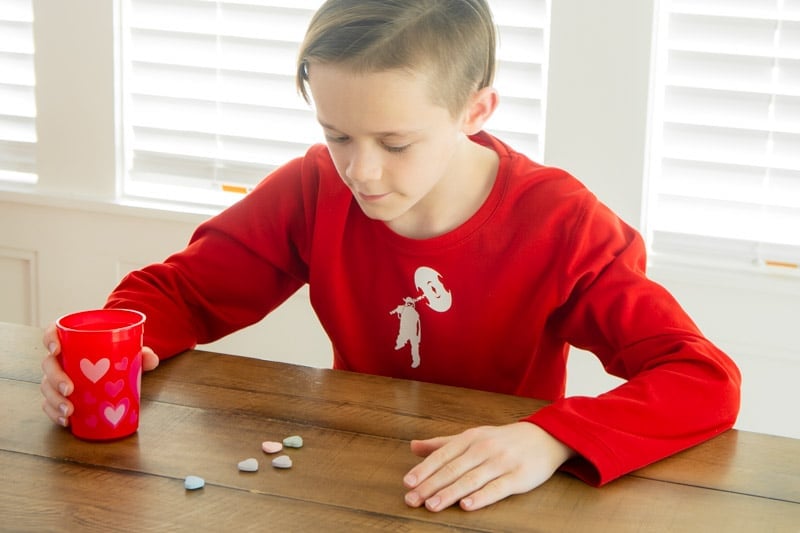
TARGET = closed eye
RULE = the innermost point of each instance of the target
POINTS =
(336, 138)
(396, 149)
(342, 139)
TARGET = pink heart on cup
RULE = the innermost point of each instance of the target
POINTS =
(122, 364)
(135, 375)
(113, 388)
(114, 413)
(95, 371)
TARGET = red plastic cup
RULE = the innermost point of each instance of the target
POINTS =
(101, 352)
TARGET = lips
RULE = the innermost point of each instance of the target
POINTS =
(372, 197)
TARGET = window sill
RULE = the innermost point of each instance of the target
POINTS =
(144, 208)
(765, 278)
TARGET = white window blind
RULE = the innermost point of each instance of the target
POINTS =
(210, 106)
(726, 135)
(17, 98)
(521, 78)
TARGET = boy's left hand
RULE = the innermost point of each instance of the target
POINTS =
(482, 466)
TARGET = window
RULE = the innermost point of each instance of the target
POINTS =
(17, 99)
(209, 103)
(725, 184)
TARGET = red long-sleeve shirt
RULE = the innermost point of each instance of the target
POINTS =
(491, 305)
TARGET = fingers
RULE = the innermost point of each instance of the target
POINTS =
(455, 466)
(50, 340)
(462, 479)
(438, 454)
(492, 492)
(55, 406)
(482, 466)
(55, 387)
(423, 448)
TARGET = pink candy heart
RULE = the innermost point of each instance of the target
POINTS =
(271, 447)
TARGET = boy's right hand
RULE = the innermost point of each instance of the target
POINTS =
(56, 385)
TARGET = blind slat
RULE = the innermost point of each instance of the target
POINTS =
(771, 9)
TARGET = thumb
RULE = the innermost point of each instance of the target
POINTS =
(149, 359)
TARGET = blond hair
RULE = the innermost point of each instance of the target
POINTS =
(452, 41)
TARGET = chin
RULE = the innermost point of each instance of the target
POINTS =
(376, 215)
(382, 215)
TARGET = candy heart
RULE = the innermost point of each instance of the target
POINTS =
(95, 371)
(248, 465)
(293, 442)
(282, 461)
(271, 447)
(193, 483)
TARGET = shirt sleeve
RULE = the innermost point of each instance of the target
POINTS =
(680, 389)
(237, 267)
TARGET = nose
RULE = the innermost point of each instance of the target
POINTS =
(364, 165)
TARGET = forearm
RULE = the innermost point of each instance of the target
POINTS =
(689, 396)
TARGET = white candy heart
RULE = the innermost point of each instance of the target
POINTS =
(295, 441)
(248, 465)
(193, 482)
(282, 461)
(95, 371)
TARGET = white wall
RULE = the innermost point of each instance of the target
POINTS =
(597, 112)
(65, 242)
(57, 256)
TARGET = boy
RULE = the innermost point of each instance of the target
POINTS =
(435, 252)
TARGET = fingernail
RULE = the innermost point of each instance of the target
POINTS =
(466, 503)
(412, 499)
(62, 387)
(433, 503)
(63, 409)
(62, 420)
(410, 480)
(51, 347)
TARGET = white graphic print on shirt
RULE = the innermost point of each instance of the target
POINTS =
(438, 298)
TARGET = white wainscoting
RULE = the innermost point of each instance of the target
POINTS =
(18, 286)
(58, 256)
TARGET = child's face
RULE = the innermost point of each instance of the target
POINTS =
(392, 146)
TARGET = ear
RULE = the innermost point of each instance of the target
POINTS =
(481, 106)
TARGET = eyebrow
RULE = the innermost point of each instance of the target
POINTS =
(377, 133)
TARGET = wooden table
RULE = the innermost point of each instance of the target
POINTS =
(204, 412)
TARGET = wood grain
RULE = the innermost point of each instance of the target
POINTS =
(204, 412)
(76, 498)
